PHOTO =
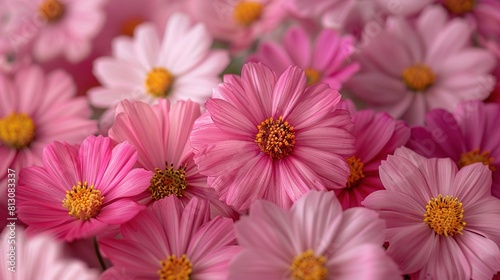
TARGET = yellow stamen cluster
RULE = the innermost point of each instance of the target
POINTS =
(174, 268)
(445, 215)
(307, 266)
(476, 156)
(158, 82)
(418, 77)
(459, 7)
(17, 130)
(83, 202)
(168, 181)
(356, 175)
(275, 138)
(313, 76)
(51, 10)
(245, 13)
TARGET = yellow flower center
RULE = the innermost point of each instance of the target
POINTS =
(307, 266)
(418, 77)
(167, 182)
(174, 268)
(158, 82)
(476, 156)
(246, 13)
(51, 10)
(445, 215)
(17, 130)
(459, 7)
(313, 76)
(276, 138)
(129, 26)
(356, 174)
(83, 202)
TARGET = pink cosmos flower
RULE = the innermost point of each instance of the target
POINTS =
(161, 136)
(238, 22)
(344, 15)
(36, 109)
(484, 14)
(38, 257)
(468, 136)
(324, 60)
(60, 27)
(408, 70)
(270, 138)
(377, 135)
(81, 189)
(442, 223)
(146, 68)
(314, 240)
(169, 242)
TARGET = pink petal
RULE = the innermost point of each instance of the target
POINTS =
(288, 91)
(296, 42)
(473, 183)
(119, 211)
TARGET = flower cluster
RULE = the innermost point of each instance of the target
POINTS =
(250, 139)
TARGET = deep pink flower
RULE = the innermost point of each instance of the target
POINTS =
(38, 257)
(166, 240)
(442, 223)
(81, 189)
(408, 70)
(377, 136)
(161, 136)
(238, 22)
(314, 240)
(468, 136)
(272, 138)
(324, 60)
(147, 67)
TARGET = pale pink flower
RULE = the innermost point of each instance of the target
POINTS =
(412, 67)
(38, 257)
(161, 136)
(377, 136)
(272, 138)
(467, 136)
(442, 223)
(484, 14)
(61, 27)
(81, 189)
(169, 242)
(343, 15)
(36, 109)
(147, 67)
(239, 22)
(325, 59)
(314, 240)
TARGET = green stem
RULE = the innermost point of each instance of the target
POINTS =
(98, 253)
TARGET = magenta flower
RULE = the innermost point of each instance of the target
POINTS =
(238, 22)
(314, 240)
(38, 257)
(377, 135)
(468, 136)
(325, 60)
(81, 189)
(263, 137)
(169, 242)
(161, 136)
(36, 109)
(147, 67)
(407, 70)
(442, 223)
